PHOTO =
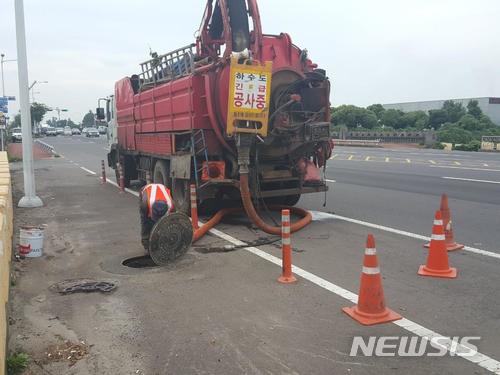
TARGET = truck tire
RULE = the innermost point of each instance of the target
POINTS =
(161, 173)
(180, 195)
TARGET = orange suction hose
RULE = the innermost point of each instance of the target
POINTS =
(255, 218)
(253, 215)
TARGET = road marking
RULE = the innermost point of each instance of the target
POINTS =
(327, 180)
(485, 165)
(452, 346)
(333, 156)
(318, 215)
(88, 170)
(387, 160)
(457, 163)
(432, 162)
(367, 158)
(408, 160)
(350, 157)
(472, 180)
(136, 193)
(468, 168)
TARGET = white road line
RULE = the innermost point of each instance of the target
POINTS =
(457, 163)
(367, 158)
(469, 168)
(333, 156)
(317, 215)
(327, 180)
(471, 180)
(432, 162)
(452, 346)
(136, 193)
(88, 170)
(350, 157)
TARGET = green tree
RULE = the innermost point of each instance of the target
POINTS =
(486, 122)
(16, 123)
(437, 117)
(378, 109)
(452, 133)
(415, 119)
(88, 119)
(354, 117)
(470, 123)
(454, 111)
(38, 110)
(474, 109)
(392, 118)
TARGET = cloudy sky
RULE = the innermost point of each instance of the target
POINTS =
(374, 51)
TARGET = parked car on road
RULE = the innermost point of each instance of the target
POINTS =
(76, 131)
(67, 131)
(16, 135)
(60, 131)
(85, 130)
(102, 129)
(51, 132)
(92, 132)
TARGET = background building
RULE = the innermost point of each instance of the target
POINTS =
(490, 106)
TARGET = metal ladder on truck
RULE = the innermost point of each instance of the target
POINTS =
(199, 147)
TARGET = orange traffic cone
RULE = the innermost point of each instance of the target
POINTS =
(437, 259)
(371, 304)
(451, 245)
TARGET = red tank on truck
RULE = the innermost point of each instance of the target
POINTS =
(238, 113)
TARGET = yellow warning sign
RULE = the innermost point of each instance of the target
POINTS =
(249, 98)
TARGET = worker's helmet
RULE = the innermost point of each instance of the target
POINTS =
(159, 209)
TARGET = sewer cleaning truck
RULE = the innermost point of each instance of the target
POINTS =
(238, 113)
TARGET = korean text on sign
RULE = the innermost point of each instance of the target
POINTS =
(250, 91)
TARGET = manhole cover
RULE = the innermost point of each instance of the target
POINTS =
(144, 261)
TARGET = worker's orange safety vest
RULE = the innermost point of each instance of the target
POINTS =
(157, 192)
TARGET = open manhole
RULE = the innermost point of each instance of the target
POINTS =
(144, 261)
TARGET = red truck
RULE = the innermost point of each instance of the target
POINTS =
(177, 120)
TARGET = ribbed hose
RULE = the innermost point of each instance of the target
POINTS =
(255, 218)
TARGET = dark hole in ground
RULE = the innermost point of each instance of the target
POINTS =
(144, 261)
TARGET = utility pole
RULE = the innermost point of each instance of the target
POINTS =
(30, 198)
(2, 61)
(32, 89)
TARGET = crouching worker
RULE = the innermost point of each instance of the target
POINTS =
(155, 202)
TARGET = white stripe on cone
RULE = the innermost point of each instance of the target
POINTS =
(438, 237)
(370, 251)
(371, 270)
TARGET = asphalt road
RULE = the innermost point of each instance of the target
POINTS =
(260, 326)
(402, 189)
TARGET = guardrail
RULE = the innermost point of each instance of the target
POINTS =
(45, 146)
(357, 142)
(6, 228)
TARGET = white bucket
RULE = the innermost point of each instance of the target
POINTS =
(31, 241)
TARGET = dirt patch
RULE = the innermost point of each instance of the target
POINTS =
(15, 150)
(67, 352)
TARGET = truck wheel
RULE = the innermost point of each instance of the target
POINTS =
(180, 195)
(161, 173)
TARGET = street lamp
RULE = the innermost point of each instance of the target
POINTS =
(30, 199)
(35, 82)
(2, 61)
